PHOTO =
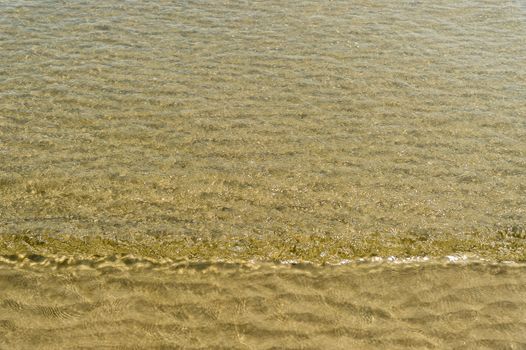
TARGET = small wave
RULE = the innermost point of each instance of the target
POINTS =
(130, 262)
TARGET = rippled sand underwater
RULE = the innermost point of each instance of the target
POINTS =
(129, 303)
(235, 136)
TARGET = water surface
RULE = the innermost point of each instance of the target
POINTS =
(129, 303)
(233, 136)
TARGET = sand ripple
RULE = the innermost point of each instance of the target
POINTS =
(112, 304)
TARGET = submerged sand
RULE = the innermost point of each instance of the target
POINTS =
(129, 303)
(161, 160)
(399, 124)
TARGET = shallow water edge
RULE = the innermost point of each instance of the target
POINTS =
(318, 249)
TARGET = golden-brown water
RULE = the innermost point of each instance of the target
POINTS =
(127, 303)
(254, 133)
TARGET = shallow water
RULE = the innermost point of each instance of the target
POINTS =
(255, 133)
(133, 304)
(342, 118)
